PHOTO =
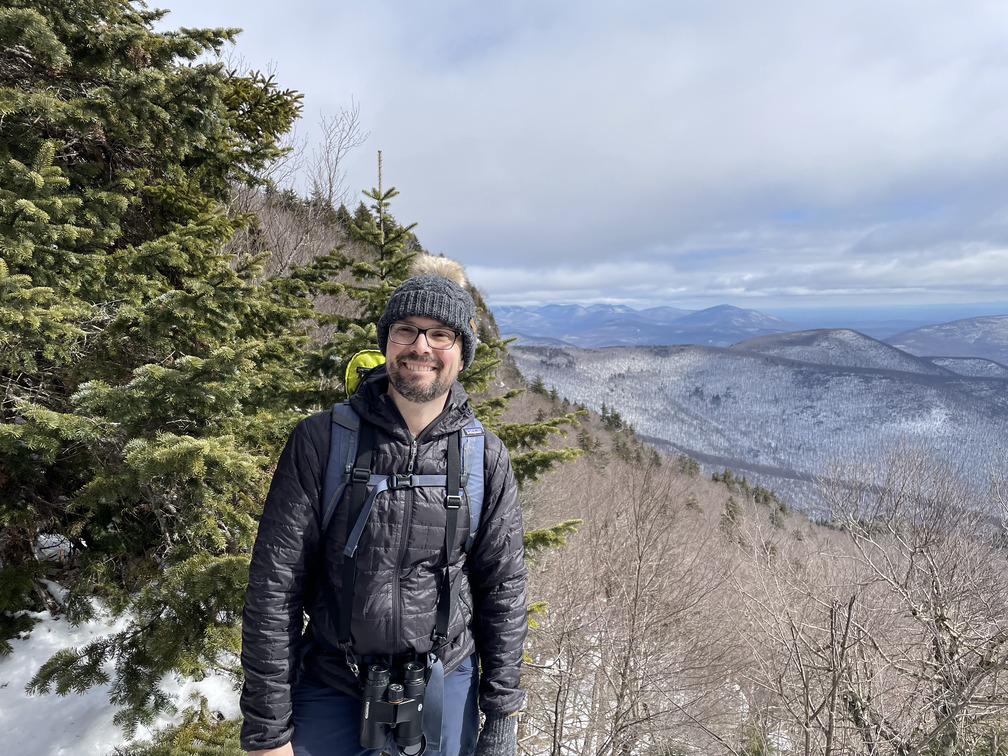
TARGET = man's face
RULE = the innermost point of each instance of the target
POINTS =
(418, 373)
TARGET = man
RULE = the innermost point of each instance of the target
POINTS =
(301, 695)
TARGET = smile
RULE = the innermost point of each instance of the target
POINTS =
(419, 368)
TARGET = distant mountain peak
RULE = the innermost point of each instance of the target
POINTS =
(985, 337)
(619, 325)
(736, 316)
(838, 347)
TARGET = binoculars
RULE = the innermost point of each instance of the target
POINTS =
(394, 706)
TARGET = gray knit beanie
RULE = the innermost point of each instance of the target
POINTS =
(437, 297)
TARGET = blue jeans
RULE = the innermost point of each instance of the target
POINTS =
(327, 723)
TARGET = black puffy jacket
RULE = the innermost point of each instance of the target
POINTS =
(400, 563)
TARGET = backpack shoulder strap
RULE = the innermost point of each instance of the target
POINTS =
(359, 477)
(349, 464)
(464, 471)
(473, 445)
(342, 453)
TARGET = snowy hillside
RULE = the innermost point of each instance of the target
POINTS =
(972, 366)
(839, 347)
(779, 417)
(985, 337)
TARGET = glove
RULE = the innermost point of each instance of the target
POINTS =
(499, 737)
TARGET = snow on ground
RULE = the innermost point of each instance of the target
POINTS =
(77, 725)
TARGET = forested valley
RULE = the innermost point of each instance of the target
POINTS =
(170, 307)
(782, 413)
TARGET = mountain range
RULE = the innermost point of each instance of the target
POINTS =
(617, 325)
(779, 407)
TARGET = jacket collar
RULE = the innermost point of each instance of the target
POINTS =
(372, 402)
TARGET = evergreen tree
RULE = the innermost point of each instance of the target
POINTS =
(378, 262)
(148, 377)
(149, 372)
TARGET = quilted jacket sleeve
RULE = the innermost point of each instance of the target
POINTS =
(274, 601)
(497, 575)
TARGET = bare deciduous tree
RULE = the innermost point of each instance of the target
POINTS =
(632, 648)
(339, 134)
(933, 541)
(808, 618)
(294, 228)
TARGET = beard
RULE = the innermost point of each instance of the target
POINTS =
(412, 386)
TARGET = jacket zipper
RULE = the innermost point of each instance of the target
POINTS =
(403, 537)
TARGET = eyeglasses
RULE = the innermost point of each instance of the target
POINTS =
(405, 334)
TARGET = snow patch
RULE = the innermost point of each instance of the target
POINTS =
(80, 724)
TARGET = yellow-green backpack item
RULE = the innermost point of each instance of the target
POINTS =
(359, 366)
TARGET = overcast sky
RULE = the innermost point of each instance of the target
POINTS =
(785, 153)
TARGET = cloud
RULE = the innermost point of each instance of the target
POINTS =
(561, 149)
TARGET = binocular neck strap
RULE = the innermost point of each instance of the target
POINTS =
(453, 504)
(434, 703)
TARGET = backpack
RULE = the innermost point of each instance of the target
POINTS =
(343, 454)
(349, 464)
(360, 365)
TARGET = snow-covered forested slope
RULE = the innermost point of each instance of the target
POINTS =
(985, 337)
(784, 417)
